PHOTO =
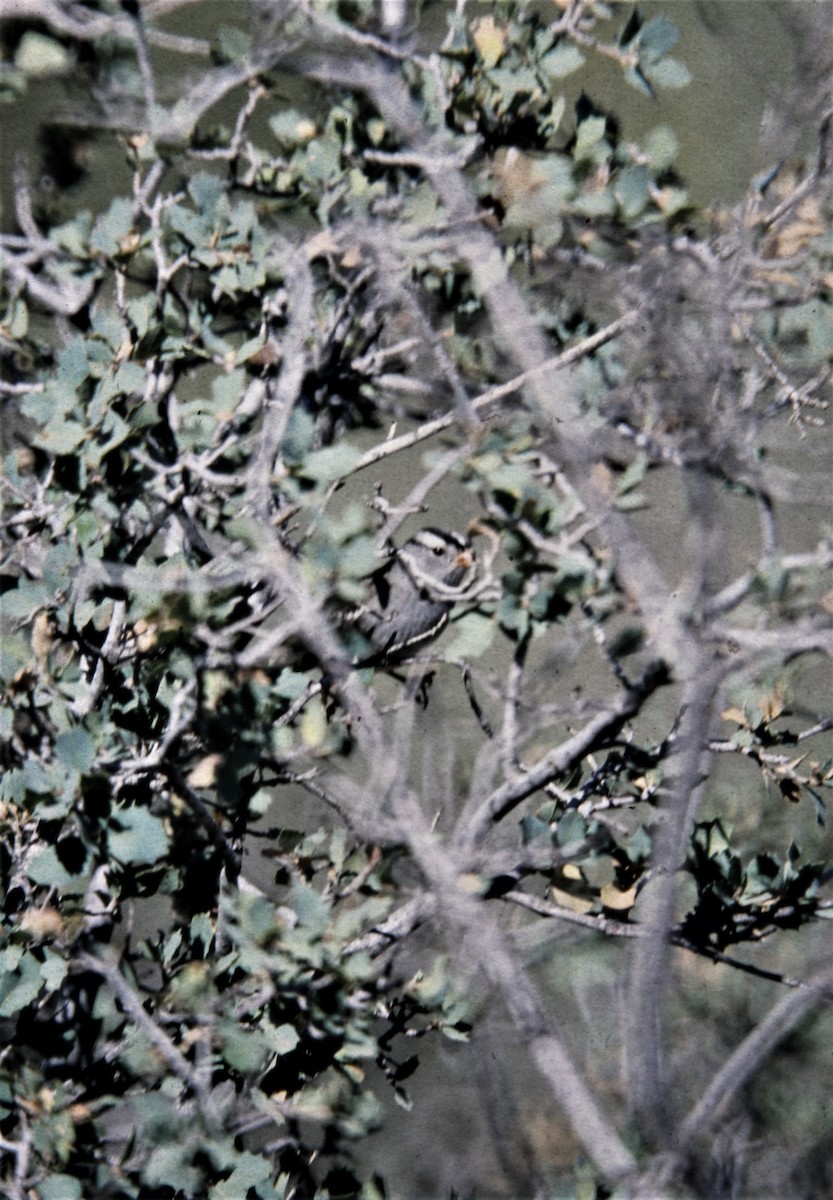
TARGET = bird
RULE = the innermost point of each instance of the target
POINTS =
(412, 595)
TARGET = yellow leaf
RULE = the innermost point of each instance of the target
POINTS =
(736, 715)
(42, 923)
(313, 725)
(146, 633)
(565, 900)
(772, 705)
(611, 897)
(204, 774)
(42, 638)
(490, 41)
(472, 883)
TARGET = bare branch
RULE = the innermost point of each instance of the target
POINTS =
(474, 825)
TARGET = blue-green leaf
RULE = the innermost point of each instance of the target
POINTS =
(137, 836)
(561, 61)
(75, 749)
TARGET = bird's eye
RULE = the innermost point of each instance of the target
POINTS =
(439, 551)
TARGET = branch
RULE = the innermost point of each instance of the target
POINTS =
(596, 733)
(133, 1007)
(749, 1056)
(572, 355)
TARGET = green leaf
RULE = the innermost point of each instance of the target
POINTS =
(571, 828)
(53, 970)
(292, 128)
(73, 364)
(136, 836)
(511, 82)
(233, 43)
(25, 599)
(191, 227)
(475, 633)
(282, 1039)
(245, 1050)
(312, 911)
(299, 435)
(636, 79)
(657, 37)
(322, 160)
(20, 986)
(17, 322)
(73, 236)
(533, 827)
(632, 475)
(333, 462)
(47, 870)
(561, 61)
(588, 135)
(662, 147)
(39, 55)
(62, 438)
(208, 193)
(669, 73)
(631, 190)
(250, 1170)
(113, 226)
(59, 1187)
(75, 749)
(290, 684)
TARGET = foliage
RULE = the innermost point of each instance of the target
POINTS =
(416, 247)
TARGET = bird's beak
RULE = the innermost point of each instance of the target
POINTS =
(464, 559)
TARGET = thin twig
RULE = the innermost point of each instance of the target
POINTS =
(498, 392)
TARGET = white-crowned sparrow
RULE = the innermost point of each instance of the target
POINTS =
(413, 594)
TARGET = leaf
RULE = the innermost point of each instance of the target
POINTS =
(333, 462)
(490, 40)
(662, 147)
(20, 986)
(474, 635)
(245, 1050)
(250, 1170)
(75, 749)
(322, 160)
(571, 828)
(631, 190)
(54, 968)
(657, 37)
(636, 79)
(292, 128)
(39, 55)
(111, 230)
(47, 870)
(233, 43)
(533, 827)
(310, 908)
(290, 684)
(136, 836)
(61, 438)
(669, 73)
(561, 61)
(208, 193)
(588, 135)
(283, 1038)
(313, 724)
(632, 475)
(59, 1187)
(611, 897)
